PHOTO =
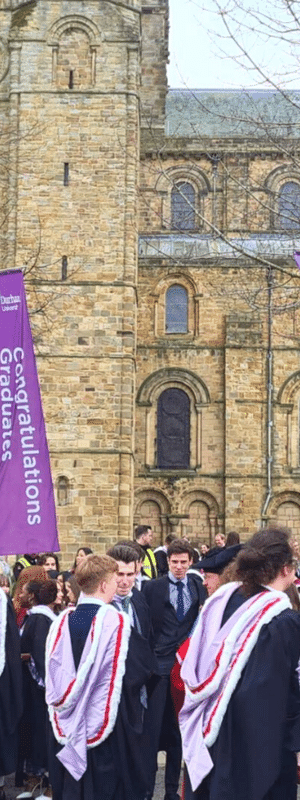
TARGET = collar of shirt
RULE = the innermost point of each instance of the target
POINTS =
(87, 598)
(176, 580)
(118, 598)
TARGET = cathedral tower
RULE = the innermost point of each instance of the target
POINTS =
(70, 94)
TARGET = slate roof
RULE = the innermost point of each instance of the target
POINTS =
(223, 113)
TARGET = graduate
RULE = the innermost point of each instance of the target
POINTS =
(10, 689)
(95, 669)
(240, 722)
(38, 599)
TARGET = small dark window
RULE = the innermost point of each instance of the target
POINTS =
(64, 268)
(66, 174)
(289, 206)
(183, 207)
(71, 79)
(62, 490)
(173, 430)
(176, 309)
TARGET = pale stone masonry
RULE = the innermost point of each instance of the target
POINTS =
(89, 155)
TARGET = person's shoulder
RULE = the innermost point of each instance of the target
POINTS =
(138, 597)
(154, 585)
(290, 619)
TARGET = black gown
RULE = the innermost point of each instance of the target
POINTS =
(117, 768)
(33, 738)
(254, 753)
(10, 695)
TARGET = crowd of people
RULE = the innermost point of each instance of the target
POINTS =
(191, 651)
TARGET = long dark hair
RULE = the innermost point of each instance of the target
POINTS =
(262, 558)
(86, 550)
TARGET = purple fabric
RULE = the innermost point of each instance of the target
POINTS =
(27, 519)
(209, 681)
(83, 705)
(297, 259)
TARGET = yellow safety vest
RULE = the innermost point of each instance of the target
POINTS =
(23, 561)
(149, 564)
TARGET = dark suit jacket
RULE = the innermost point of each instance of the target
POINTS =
(142, 611)
(156, 594)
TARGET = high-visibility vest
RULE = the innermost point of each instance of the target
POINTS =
(149, 564)
(24, 562)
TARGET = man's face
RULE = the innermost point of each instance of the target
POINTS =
(110, 587)
(148, 536)
(179, 564)
(50, 563)
(125, 578)
(212, 582)
(220, 540)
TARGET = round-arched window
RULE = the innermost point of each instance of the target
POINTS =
(289, 206)
(176, 309)
(183, 207)
(173, 430)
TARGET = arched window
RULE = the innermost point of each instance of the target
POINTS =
(289, 206)
(176, 309)
(173, 430)
(62, 490)
(74, 66)
(183, 207)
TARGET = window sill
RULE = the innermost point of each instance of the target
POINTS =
(171, 473)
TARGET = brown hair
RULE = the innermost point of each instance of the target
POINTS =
(44, 593)
(262, 558)
(232, 538)
(71, 580)
(34, 573)
(293, 594)
(180, 547)
(93, 570)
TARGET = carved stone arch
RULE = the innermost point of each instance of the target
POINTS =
(74, 40)
(274, 182)
(159, 295)
(148, 396)
(205, 497)
(285, 510)
(73, 21)
(148, 498)
(186, 173)
(288, 400)
(288, 388)
(165, 377)
(279, 175)
(198, 525)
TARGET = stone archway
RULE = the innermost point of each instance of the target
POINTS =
(201, 510)
(285, 511)
(152, 508)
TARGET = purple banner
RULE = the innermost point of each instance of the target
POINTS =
(27, 510)
(297, 259)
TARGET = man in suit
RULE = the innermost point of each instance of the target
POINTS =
(127, 598)
(174, 601)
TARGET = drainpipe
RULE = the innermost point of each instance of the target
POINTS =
(269, 431)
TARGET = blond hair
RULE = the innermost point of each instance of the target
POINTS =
(93, 571)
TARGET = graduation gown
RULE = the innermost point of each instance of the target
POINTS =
(34, 723)
(116, 769)
(10, 693)
(254, 753)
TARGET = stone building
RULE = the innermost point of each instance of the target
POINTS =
(169, 366)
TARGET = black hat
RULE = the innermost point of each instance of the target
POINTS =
(218, 558)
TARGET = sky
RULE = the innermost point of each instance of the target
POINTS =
(199, 52)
